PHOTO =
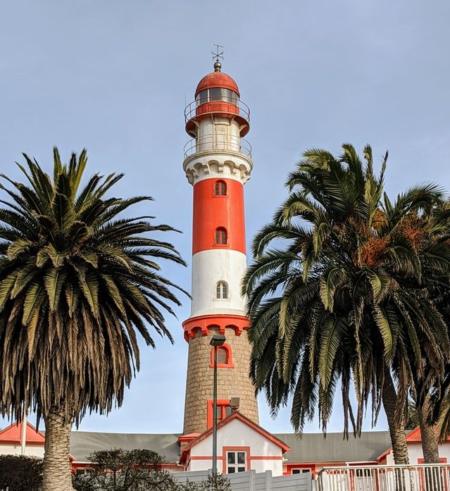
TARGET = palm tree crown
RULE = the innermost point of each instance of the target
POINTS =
(77, 285)
(341, 295)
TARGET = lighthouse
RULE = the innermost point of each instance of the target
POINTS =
(217, 163)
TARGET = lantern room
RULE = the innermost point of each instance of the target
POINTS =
(217, 99)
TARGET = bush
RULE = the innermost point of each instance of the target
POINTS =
(136, 470)
(20, 473)
(122, 470)
(218, 483)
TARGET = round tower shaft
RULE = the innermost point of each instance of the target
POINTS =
(217, 163)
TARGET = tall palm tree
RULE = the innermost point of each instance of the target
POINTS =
(78, 285)
(341, 297)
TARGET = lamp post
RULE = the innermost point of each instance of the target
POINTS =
(216, 341)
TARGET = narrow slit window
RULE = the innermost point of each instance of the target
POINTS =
(220, 188)
(222, 290)
(221, 236)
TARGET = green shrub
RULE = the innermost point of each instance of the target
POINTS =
(20, 473)
(136, 470)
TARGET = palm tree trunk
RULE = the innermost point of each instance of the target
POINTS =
(57, 471)
(396, 428)
(430, 438)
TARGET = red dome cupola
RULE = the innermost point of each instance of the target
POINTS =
(217, 94)
(217, 80)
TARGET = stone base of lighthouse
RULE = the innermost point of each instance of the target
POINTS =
(233, 376)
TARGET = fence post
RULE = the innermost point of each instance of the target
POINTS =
(251, 481)
(268, 480)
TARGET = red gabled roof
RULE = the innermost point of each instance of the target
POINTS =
(237, 415)
(414, 436)
(12, 434)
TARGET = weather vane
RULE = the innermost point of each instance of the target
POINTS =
(217, 56)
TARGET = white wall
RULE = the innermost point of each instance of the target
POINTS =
(238, 434)
(218, 133)
(415, 453)
(209, 267)
(30, 450)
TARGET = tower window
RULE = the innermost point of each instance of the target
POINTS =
(221, 235)
(224, 357)
(220, 188)
(222, 290)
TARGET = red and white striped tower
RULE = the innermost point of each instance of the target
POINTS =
(217, 163)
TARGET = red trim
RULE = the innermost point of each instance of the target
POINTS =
(12, 435)
(222, 404)
(252, 457)
(219, 321)
(250, 424)
(266, 457)
(211, 214)
(217, 79)
(442, 460)
(414, 436)
(229, 363)
(235, 449)
(89, 465)
(188, 437)
(289, 468)
(220, 109)
(205, 457)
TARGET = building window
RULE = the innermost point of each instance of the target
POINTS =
(220, 188)
(223, 411)
(224, 357)
(301, 471)
(222, 290)
(236, 461)
(221, 236)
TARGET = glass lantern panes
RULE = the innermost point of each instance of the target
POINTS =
(217, 94)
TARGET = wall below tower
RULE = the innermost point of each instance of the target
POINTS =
(232, 382)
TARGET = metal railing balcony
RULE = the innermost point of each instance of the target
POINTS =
(225, 105)
(423, 477)
(217, 143)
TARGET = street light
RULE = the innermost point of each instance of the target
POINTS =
(216, 341)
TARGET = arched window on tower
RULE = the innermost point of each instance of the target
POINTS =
(221, 236)
(224, 357)
(220, 188)
(222, 290)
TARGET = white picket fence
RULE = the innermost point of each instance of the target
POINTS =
(426, 477)
(252, 481)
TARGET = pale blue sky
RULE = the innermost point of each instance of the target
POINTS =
(113, 76)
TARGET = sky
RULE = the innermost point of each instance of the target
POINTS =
(114, 76)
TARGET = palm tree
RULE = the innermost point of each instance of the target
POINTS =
(341, 297)
(78, 285)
